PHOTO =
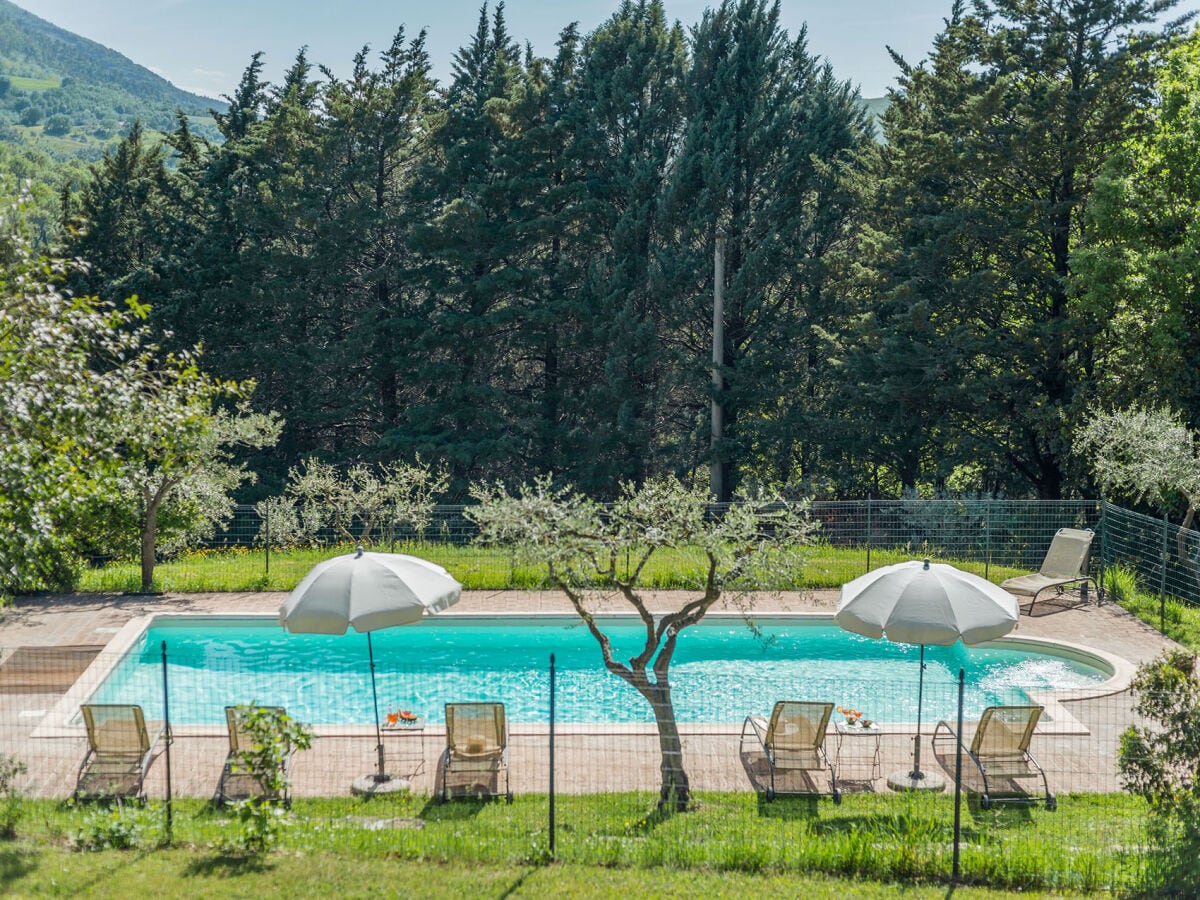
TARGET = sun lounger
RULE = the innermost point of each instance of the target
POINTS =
(793, 740)
(999, 751)
(237, 782)
(1066, 563)
(476, 742)
(120, 750)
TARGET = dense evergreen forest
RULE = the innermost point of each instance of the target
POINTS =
(512, 273)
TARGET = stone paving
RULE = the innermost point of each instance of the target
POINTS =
(617, 758)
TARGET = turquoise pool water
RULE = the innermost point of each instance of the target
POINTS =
(721, 672)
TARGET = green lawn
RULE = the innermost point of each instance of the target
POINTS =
(730, 845)
(478, 568)
(187, 873)
(23, 83)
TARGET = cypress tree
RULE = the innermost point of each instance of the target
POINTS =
(765, 121)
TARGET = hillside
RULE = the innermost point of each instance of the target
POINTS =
(70, 96)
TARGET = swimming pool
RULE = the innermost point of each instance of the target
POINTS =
(721, 670)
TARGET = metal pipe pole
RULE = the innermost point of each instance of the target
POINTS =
(167, 726)
(380, 776)
(551, 823)
(716, 470)
(956, 872)
(1162, 579)
(917, 774)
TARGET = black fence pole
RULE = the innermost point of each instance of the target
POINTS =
(167, 727)
(868, 534)
(267, 540)
(987, 537)
(1103, 526)
(551, 824)
(1162, 580)
(956, 870)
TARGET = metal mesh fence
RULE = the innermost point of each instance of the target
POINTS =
(603, 750)
(994, 537)
(1164, 557)
(752, 806)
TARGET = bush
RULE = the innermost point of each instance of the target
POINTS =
(271, 736)
(118, 827)
(11, 805)
(1159, 764)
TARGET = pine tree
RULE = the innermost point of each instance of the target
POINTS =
(119, 219)
(375, 136)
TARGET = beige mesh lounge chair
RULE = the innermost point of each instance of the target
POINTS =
(119, 752)
(476, 742)
(236, 783)
(1000, 751)
(793, 739)
(1066, 563)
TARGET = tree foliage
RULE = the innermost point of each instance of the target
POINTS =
(513, 273)
(592, 551)
(1160, 761)
(1136, 274)
(365, 505)
(1147, 454)
(69, 367)
(177, 462)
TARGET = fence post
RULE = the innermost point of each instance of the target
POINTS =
(167, 727)
(267, 538)
(1162, 580)
(868, 532)
(987, 537)
(551, 824)
(1103, 526)
(956, 872)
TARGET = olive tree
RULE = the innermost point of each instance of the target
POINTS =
(176, 460)
(1147, 454)
(591, 551)
(361, 505)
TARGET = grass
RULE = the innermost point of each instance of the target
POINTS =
(730, 845)
(184, 873)
(1177, 620)
(477, 568)
(24, 83)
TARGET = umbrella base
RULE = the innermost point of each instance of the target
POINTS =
(375, 784)
(908, 780)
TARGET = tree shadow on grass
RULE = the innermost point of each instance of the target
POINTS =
(16, 863)
(455, 809)
(226, 865)
(797, 792)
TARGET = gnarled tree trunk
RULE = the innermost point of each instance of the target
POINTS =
(675, 793)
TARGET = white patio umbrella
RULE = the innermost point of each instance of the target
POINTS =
(367, 592)
(919, 602)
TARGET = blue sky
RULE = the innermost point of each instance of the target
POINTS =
(204, 45)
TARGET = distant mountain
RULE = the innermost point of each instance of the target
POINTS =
(70, 96)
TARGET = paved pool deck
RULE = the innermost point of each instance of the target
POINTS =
(588, 759)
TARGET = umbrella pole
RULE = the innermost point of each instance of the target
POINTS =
(375, 700)
(916, 772)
